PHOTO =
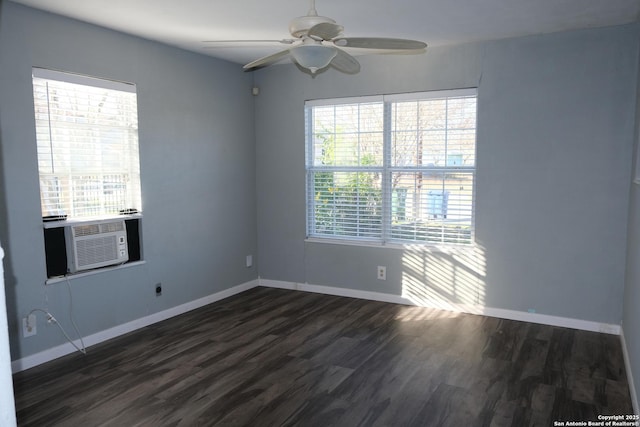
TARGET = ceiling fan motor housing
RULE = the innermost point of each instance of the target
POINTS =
(299, 27)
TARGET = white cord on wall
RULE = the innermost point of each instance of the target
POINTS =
(73, 322)
(52, 319)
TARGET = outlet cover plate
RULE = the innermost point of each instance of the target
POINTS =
(29, 326)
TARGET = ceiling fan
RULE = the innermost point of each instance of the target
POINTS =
(317, 44)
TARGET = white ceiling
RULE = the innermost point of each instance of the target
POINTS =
(187, 23)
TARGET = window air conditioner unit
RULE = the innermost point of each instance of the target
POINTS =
(96, 245)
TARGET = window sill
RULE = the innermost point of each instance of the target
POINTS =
(92, 220)
(58, 279)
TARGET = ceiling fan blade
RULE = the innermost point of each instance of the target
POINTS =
(264, 61)
(345, 63)
(283, 41)
(325, 31)
(379, 43)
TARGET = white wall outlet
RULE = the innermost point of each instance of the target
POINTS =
(29, 325)
(249, 261)
(382, 272)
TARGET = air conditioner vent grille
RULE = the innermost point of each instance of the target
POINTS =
(96, 250)
(112, 227)
(86, 230)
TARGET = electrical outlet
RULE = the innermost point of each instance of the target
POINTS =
(382, 272)
(158, 289)
(29, 325)
(249, 261)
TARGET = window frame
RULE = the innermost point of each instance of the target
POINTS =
(386, 170)
(133, 199)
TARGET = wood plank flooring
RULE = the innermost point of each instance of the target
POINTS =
(271, 357)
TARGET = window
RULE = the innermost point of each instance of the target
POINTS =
(393, 168)
(87, 138)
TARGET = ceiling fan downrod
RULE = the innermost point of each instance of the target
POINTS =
(312, 9)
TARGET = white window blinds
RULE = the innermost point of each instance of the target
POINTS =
(392, 168)
(345, 179)
(87, 140)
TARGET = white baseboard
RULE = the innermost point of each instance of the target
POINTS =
(544, 319)
(627, 365)
(67, 348)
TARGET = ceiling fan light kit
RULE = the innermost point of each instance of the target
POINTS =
(318, 44)
(313, 57)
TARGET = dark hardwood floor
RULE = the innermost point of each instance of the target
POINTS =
(271, 357)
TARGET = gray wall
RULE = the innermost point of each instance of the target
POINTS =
(555, 138)
(631, 319)
(197, 165)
